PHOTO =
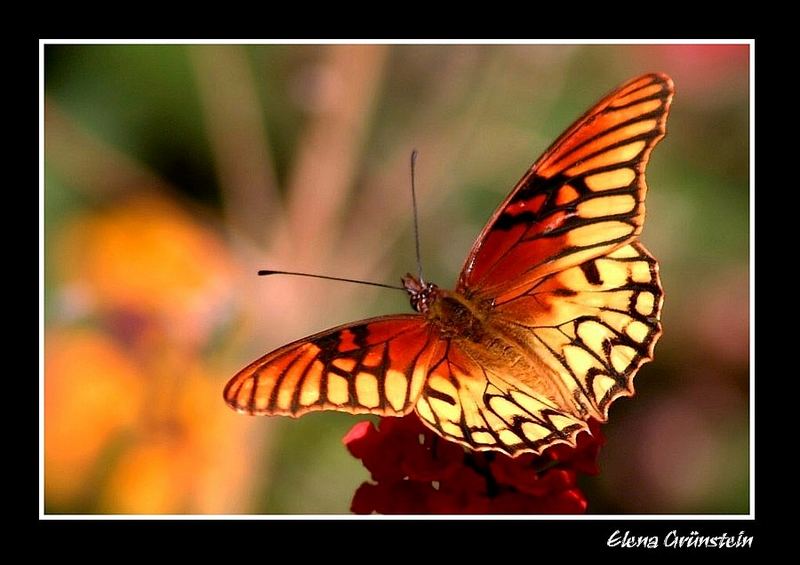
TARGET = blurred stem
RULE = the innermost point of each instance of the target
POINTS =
(91, 165)
(441, 142)
(330, 150)
(238, 140)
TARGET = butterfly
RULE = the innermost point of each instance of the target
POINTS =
(556, 307)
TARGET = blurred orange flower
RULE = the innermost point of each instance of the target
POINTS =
(134, 419)
(93, 393)
(187, 455)
(148, 257)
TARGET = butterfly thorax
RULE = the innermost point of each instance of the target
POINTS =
(451, 312)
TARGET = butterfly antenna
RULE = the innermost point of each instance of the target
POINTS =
(266, 272)
(414, 154)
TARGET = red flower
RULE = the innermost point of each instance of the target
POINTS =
(414, 471)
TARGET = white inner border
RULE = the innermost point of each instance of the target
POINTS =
(750, 42)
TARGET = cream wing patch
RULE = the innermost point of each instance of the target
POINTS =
(476, 406)
(593, 325)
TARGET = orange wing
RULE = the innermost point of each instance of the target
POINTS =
(560, 352)
(375, 366)
(483, 406)
(592, 326)
(583, 198)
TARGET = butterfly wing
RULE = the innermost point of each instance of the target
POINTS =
(589, 327)
(588, 330)
(375, 366)
(592, 326)
(583, 198)
(475, 403)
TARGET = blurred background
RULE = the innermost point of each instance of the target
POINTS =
(174, 172)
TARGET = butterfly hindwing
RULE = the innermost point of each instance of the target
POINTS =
(592, 325)
(479, 406)
(581, 199)
(375, 366)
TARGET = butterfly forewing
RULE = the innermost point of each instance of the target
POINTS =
(583, 198)
(375, 366)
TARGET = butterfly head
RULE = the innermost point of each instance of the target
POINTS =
(422, 294)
